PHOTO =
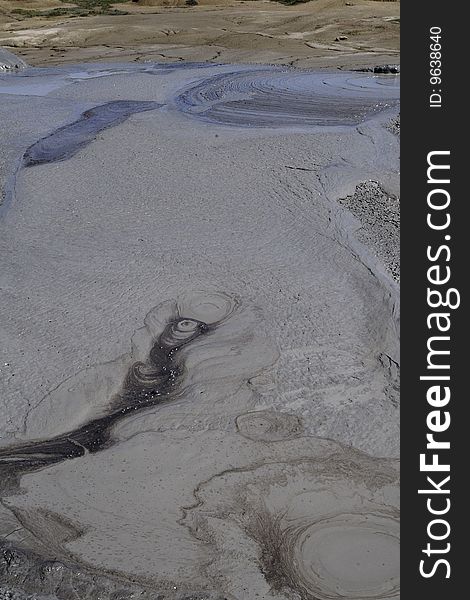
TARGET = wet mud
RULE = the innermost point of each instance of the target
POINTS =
(66, 141)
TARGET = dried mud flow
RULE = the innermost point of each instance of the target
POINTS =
(277, 98)
(200, 375)
(68, 140)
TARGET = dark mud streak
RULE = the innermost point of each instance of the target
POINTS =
(146, 384)
(66, 141)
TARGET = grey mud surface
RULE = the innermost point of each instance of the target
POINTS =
(200, 312)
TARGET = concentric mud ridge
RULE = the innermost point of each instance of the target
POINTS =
(247, 503)
(66, 141)
(280, 98)
(325, 528)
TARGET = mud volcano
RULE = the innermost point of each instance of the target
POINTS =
(146, 384)
(200, 367)
(66, 141)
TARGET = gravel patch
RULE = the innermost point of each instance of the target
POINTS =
(379, 214)
(394, 125)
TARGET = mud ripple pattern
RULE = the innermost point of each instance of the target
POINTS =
(276, 98)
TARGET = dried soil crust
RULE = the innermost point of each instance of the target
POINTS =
(326, 33)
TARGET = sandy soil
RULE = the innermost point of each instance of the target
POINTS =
(318, 33)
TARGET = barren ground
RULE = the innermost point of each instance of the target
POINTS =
(304, 35)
